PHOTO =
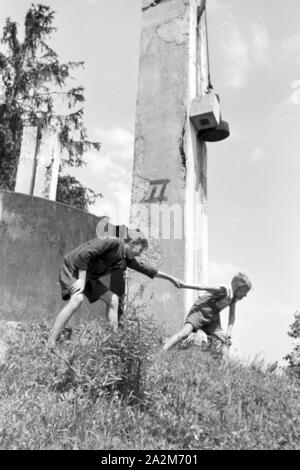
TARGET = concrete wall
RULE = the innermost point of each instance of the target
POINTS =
(35, 234)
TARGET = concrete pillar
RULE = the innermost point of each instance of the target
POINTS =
(39, 162)
(47, 164)
(170, 162)
(26, 166)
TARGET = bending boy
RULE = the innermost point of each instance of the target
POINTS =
(205, 313)
(83, 269)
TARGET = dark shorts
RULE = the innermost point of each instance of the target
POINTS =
(204, 319)
(94, 288)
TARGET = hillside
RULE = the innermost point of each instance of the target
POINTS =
(118, 392)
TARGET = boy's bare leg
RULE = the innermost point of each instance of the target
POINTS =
(63, 317)
(112, 305)
(220, 335)
(225, 353)
(175, 339)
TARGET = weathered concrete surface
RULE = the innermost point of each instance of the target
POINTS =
(47, 165)
(39, 162)
(35, 234)
(170, 163)
(25, 172)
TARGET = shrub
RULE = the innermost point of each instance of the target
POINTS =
(117, 391)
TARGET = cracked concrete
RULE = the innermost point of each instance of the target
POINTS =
(200, 9)
(39, 163)
(182, 146)
(151, 3)
(139, 186)
(175, 30)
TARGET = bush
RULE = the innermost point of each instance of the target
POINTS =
(117, 391)
(47, 399)
(294, 357)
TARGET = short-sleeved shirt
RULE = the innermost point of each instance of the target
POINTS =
(205, 312)
(99, 257)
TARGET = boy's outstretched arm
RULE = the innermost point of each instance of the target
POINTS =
(218, 289)
(147, 269)
(183, 285)
(174, 280)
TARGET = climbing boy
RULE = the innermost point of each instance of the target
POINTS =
(205, 312)
(86, 267)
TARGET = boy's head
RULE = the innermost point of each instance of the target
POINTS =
(135, 243)
(241, 285)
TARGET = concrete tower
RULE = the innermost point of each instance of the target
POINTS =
(169, 188)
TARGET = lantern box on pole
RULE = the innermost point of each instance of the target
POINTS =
(205, 112)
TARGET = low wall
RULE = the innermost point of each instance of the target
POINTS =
(35, 234)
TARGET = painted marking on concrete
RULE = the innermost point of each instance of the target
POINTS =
(157, 191)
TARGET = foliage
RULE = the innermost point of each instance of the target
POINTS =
(71, 192)
(10, 142)
(294, 357)
(34, 84)
(117, 391)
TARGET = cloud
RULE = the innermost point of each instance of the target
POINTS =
(235, 48)
(117, 140)
(295, 96)
(234, 220)
(222, 273)
(244, 50)
(217, 6)
(290, 49)
(237, 59)
(266, 322)
(260, 50)
(258, 154)
(286, 112)
(109, 172)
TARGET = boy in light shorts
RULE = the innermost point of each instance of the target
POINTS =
(205, 312)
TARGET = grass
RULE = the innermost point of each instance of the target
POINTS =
(116, 391)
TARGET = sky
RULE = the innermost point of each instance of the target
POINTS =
(253, 177)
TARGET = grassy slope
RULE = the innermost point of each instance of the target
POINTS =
(186, 400)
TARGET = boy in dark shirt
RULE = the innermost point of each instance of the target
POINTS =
(205, 312)
(83, 269)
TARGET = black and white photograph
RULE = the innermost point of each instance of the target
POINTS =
(149, 228)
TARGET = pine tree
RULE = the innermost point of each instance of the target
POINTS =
(34, 86)
(294, 357)
(70, 191)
